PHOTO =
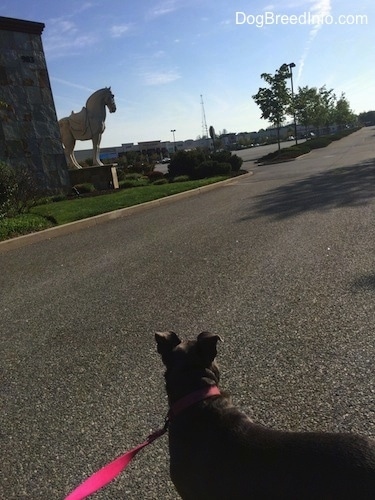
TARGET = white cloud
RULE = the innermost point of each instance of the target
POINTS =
(163, 8)
(71, 84)
(63, 37)
(320, 9)
(160, 77)
(119, 30)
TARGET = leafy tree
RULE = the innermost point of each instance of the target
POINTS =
(343, 113)
(275, 99)
(304, 102)
(367, 117)
(315, 107)
(327, 101)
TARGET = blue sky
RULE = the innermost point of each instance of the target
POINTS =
(159, 57)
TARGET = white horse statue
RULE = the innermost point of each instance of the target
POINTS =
(89, 123)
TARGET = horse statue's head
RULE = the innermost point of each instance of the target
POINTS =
(110, 100)
(102, 97)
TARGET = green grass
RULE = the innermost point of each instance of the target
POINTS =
(22, 224)
(294, 151)
(71, 210)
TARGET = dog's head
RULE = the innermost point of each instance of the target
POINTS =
(190, 363)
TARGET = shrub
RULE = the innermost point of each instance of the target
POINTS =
(135, 176)
(159, 182)
(319, 142)
(140, 168)
(227, 157)
(210, 168)
(120, 173)
(223, 168)
(85, 187)
(22, 224)
(19, 190)
(133, 180)
(155, 175)
(235, 162)
(7, 188)
(186, 163)
(181, 178)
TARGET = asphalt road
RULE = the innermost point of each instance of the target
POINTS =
(281, 264)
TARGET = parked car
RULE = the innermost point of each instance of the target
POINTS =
(310, 135)
(166, 160)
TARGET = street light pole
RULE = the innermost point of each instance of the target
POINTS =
(174, 139)
(292, 65)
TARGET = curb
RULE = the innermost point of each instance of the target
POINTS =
(71, 227)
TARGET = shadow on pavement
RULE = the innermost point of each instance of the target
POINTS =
(365, 282)
(341, 187)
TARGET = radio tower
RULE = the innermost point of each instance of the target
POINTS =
(204, 123)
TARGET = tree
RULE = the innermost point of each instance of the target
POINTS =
(343, 114)
(315, 107)
(274, 100)
(304, 102)
(367, 117)
(327, 101)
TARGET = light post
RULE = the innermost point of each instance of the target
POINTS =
(290, 66)
(174, 139)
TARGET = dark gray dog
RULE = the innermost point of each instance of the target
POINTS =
(218, 453)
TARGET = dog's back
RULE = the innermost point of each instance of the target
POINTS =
(217, 452)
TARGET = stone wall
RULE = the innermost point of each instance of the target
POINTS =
(29, 132)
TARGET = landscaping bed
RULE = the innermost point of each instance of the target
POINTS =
(52, 213)
(292, 152)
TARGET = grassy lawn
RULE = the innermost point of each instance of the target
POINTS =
(22, 224)
(65, 211)
(286, 154)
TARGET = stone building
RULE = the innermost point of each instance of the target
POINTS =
(29, 132)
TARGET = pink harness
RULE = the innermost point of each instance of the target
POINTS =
(107, 473)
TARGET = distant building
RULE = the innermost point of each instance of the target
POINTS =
(160, 148)
(228, 140)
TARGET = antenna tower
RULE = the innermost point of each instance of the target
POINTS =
(204, 123)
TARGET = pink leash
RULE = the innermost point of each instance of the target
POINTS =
(107, 473)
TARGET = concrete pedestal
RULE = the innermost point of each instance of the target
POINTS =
(102, 177)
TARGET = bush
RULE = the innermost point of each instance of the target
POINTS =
(155, 175)
(120, 173)
(186, 163)
(181, 178)
(210, 168)
(235, 162)
(159, 182)
(227, 157)
(319, 142)
(7, 188)
(85, 187)
(22, 224)
(19, 190)
(135, 176)
(133, 180)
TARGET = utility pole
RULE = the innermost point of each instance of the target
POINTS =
(204, 122)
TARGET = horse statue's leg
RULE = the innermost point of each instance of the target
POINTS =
(68, 143)
(95, 149)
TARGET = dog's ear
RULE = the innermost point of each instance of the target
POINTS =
(206, 345)
(166, 342)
